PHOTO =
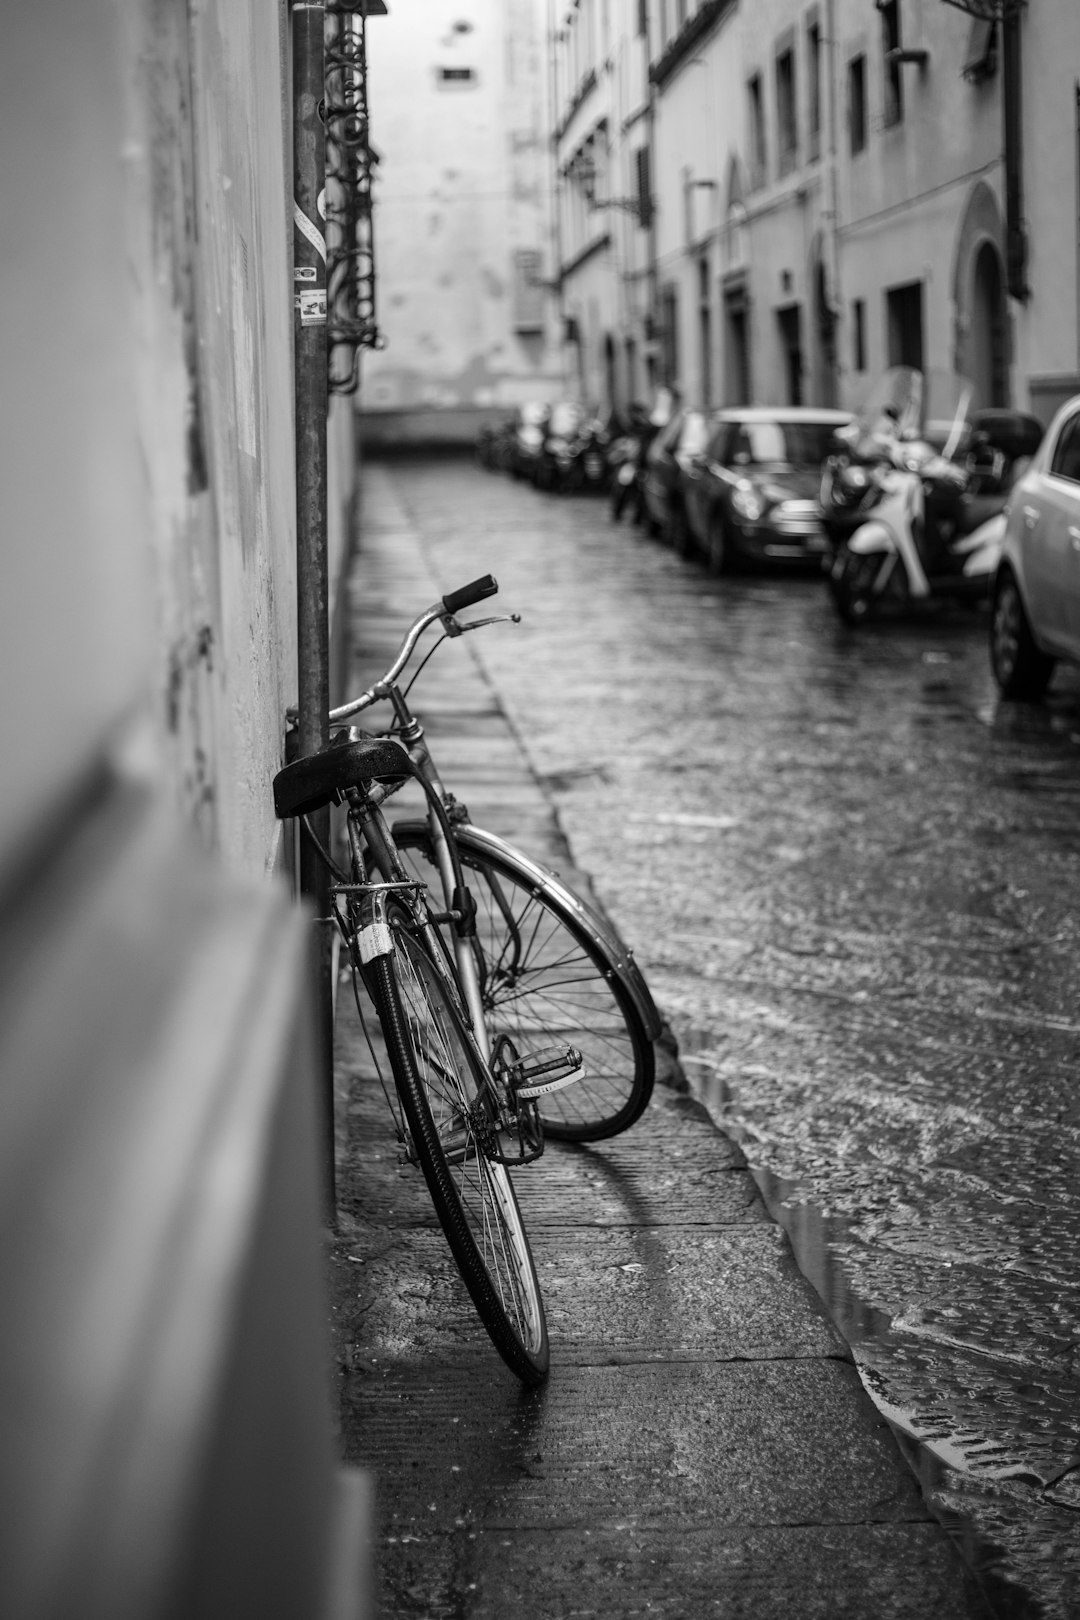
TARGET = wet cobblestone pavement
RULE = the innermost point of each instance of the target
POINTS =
(850, 874)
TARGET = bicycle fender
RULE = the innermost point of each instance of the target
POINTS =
(481, 842)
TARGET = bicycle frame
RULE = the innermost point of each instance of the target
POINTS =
(410, 733)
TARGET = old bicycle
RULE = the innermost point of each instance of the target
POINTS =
(475, 1001)
(542, 965)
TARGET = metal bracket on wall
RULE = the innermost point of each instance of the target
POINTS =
(350, 162)
(988, 10)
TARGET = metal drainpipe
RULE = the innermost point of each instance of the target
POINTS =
(1016, 247)
(312, 572)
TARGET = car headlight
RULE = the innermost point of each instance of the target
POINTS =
(747, 501)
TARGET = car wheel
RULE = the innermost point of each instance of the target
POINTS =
(718, 552)
(1020, 669)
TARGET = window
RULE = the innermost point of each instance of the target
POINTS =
(903, 307)
(789, 325)
(856, 78)
(756, 103)
(893, 104)
(528, 303)
(787, 137)
(455, 75)
(1066, 458)
(813, 88)
(858, 334)
(705, 332)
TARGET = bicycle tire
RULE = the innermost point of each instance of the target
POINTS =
(438, 1074)
(549, 979)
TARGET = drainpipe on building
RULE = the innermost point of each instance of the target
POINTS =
(1015, 233)
(832, 235)
(653, 273)
(312, 571)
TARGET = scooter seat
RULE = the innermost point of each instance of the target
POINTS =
(321, 778)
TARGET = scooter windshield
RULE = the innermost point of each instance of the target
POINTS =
(949, 400)
(892, 410)
(931, 408)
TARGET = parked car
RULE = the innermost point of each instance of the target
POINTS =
(750, 494)
(670, 453)
(1035, 612)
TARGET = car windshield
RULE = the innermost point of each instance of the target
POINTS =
(778, 442)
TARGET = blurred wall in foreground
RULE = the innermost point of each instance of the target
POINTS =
(163, 1388)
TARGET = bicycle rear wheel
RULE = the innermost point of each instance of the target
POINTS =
(441, 1082)
(548, 979)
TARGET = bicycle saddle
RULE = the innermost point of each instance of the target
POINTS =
(320, 778)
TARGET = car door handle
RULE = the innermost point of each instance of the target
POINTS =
(1074, 536)
(1031, 514)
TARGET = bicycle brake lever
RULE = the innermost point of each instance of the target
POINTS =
(478, 624)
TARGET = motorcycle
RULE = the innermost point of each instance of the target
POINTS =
(914, 497)
(555, 466)
(626, 457)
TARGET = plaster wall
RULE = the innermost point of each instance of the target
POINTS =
(699, 116)
(463, 183)
(76, 640)
(147, 446)
(951, 129)
(1047, 329)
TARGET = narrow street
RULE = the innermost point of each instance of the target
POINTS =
(849, 873)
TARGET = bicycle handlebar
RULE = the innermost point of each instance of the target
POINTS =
(475, 591)
(447, 606)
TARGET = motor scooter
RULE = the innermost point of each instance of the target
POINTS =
(914, 502)
(626, 457)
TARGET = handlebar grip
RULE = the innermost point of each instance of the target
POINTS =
(468, 594)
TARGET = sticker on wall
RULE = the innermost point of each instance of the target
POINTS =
(312, 307)
(305, 272)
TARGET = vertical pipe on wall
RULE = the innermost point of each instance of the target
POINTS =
(312, 571)
(1015, 231)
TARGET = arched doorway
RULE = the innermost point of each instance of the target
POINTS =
(987, 347)
(982, 340)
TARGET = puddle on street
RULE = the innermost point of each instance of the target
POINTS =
(1017, 1528)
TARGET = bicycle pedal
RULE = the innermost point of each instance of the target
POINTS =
(544, 1072)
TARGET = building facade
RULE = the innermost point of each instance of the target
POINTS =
(463, 219)
(833, 187)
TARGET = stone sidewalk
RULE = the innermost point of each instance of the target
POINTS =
(704, 1446)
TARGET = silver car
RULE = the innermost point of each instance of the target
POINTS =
(1035, 618)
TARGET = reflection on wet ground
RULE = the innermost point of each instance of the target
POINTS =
(850, 873)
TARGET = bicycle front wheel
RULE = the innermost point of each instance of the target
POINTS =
(549, 979)
(441, 1082)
